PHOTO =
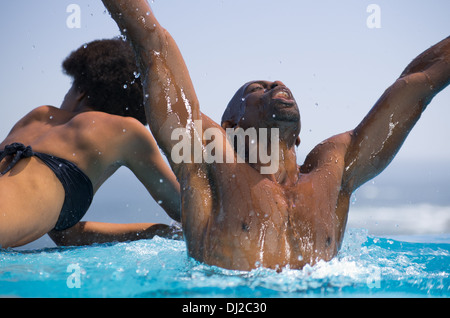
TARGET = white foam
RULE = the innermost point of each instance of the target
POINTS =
(401, 220)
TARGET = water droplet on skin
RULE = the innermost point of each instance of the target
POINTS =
(51, 117)
(124, 130)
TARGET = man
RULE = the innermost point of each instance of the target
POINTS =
(237, 216)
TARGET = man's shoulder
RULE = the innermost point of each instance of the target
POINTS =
(336, 143)
(332, 149)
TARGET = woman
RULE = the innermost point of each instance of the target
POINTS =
(55, 159)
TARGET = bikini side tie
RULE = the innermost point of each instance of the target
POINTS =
(19, 151)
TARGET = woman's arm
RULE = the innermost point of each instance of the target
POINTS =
(142, 156)
(88, 233)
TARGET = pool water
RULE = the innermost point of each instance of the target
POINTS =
(366, 266)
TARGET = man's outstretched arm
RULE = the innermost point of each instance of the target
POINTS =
(171, 102)
(378, 138)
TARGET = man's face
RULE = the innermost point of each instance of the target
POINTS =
(269, 104)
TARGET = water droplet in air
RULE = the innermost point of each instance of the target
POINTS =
(161, 180)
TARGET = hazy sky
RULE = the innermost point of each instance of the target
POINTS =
(325, 51)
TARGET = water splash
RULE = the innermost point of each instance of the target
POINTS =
(365, 266)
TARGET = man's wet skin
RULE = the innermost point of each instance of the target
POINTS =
(234, 216)
(288, 218)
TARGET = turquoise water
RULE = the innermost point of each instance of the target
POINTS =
(366, 266)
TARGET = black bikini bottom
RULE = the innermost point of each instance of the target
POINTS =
(77, 186)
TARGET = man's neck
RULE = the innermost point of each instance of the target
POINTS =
(286, 165)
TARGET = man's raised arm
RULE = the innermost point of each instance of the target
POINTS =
(377, 139)
(171, 101)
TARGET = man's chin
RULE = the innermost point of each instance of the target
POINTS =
(286, 115)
